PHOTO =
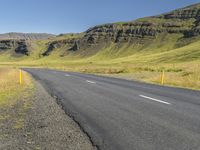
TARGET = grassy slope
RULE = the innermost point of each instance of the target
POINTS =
(140, 62)
(143, 59)
(162, 49)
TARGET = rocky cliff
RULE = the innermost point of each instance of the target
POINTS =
(19, 46)
(185, 21)
(70, 44)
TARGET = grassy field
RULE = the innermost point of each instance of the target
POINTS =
(14, 102)
(10, 89)
(181, 74)
(13, 97)
(180, 59)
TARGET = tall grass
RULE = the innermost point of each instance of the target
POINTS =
(10, 88)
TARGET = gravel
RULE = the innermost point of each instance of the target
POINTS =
(45, 126)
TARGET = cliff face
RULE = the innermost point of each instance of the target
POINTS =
(19, 46)
(120, 32)
(189, 12)
(20, 43)
(69, 44)
(184, 21)
(185, 14)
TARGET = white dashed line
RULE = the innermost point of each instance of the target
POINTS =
(156, 100)
(90, 81)
(67, 75)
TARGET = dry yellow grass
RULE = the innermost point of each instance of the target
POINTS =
(15, 97)
(182, 75)
(10, 88)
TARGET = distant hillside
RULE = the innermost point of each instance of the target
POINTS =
(155, 35)
(26, 36)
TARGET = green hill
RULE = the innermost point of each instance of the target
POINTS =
(145, 46)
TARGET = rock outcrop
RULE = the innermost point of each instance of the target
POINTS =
(69, 44)
(19, 46)
(184, 21)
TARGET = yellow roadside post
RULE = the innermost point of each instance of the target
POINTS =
(20, 76)
(162, 77)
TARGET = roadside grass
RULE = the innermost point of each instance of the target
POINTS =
(9, 85)
(14, 97)
(185, 74)
(178, 79)
(181, 74)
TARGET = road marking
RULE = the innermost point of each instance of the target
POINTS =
(67, 75)
(157, 100)
(90, 81)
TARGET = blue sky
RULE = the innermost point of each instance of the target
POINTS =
(63, 16)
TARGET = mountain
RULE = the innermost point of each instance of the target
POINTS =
(26, 36)
(20, 43)
(161, 35)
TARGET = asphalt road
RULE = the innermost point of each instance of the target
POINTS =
(125, 115)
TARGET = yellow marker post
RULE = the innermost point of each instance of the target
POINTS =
(20, 76)
(162, 77)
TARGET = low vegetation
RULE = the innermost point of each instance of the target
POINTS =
(13, 100)
(138, 50)
(10, 87)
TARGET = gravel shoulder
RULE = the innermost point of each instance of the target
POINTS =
(39, 123)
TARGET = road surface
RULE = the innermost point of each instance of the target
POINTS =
(126, 115)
